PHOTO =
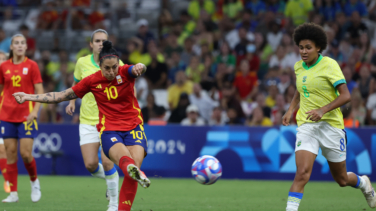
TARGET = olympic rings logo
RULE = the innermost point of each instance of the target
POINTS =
(45, 142)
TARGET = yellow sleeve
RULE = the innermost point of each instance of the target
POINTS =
(334, 74)
(77, 71)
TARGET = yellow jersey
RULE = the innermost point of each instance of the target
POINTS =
(317, 88)
(85, 66)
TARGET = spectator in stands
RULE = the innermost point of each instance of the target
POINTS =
(181, 85)
(157, 74)
(188, 50)
(233, 119)
(365, 48)
(172, 45)
(371, 104)
(188, 27)
(348, 76)
(355, 5)
(276, 6)
(195, 6)
(175, 64)
(260, 102)
(274, 36)
(335, 53)
(193, 118)
(165, 23)
(179, 113)
(53, 67)
(258, 119)
(285, 80)
(195, 70)
(278, 59)
(48, 17)
(364, 80)
(328, 8)
(298, 10)
(272, 95)
(246, 82)
(348, 120)
(358, 111)
(29, 41)
(10, 23)
(247, 22)
(252, 57)
(232, 8)
(218, 118)
(280, 106)
(96, 18)
(144, 34)
(203, 102)
(241, 47)
(4, 42)
(257, 7)
(230, 100)
(150, 110)
(355, 28)
(123, 54)
(203, 36)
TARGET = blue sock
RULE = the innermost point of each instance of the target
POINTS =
(293, 200)
(110, 173)
(360, 182)
(96, 170)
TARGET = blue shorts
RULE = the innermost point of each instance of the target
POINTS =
(19, 130)
(128, 138)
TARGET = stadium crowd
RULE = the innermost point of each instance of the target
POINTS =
(223, 62)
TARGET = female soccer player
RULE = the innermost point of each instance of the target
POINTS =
(18, 122)
(3, 156)
(120, 122)
(321, 90)
(89, 135)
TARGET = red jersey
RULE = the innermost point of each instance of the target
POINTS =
(17, 78)
(118, 107)
(245, 84)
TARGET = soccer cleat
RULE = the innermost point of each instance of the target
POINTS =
(13, 197)
(35, 191)
(369, 192)
(136, 174)
(6, 187)
(112, 207)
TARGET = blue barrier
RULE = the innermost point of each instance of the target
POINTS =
(244, 152)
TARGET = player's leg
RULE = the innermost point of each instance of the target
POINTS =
(3, 166)
(89, 143)
(306, 149)
(11, 146)
(334, 150)
(112, 181)
(26, 148)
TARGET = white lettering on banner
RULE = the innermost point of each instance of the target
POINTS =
(161, 147)
(45, 142)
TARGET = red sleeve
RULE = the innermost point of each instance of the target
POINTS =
(83, 86)
(36, 77)
(1, 75)
(127, 70)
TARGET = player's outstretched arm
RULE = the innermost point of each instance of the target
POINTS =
(51, 97)
(138, 69)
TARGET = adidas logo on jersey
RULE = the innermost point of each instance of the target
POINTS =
(99, 86)
(7, 72)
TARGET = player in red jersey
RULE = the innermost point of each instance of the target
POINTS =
(3, 156)
(18, 122)
(120, 122)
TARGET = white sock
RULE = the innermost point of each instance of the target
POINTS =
(112, 182)
(293, 201)
(362, 184)
(14, 193)
(99, 172)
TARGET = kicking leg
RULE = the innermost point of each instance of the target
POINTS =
(344, 178)
(304, 163)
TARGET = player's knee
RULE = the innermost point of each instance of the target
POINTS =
(91, 166)
(302, 174)
(26, 156)
(107, 165)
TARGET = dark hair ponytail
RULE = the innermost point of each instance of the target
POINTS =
(107, 52)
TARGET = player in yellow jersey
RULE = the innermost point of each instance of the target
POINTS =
(321, 91)
(89, 118)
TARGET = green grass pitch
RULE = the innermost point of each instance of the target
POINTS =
(87, 193)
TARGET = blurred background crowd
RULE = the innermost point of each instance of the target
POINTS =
(210, 62)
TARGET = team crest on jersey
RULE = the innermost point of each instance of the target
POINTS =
(2, 130)
(299, 143)
(119, 80)
(7, 72)
(113, 139)
(25, 70)
(304, 78)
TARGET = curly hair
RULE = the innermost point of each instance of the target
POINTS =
(313, 32)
